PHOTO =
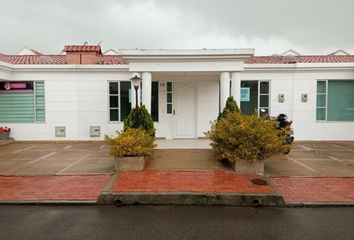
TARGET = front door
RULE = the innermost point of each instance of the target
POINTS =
(185, 110)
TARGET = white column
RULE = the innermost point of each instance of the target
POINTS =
(146, 90)
(224, 89)
(132, 95)
(236, 86)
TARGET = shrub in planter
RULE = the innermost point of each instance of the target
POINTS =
(133, 142)
(140, 118)
(237, 137)
(131, 148)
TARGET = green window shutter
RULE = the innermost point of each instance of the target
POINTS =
(321, 107)
(17, 107)
(40, 103)
(340, 100)
(155, 101)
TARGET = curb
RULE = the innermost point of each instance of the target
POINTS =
(319, 204)
(49, 202)
(189, 198)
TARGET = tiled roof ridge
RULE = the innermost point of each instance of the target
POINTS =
(277, 59)
(57, 59)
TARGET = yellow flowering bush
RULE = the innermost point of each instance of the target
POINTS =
(133, 142)
(237, 136)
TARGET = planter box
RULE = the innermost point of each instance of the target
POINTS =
(4, 136)
(130, 163)
(244, 166)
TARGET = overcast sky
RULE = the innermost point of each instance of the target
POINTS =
(269, 26)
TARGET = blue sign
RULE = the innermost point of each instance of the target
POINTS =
(245, 94)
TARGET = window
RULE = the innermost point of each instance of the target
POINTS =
(254, 96)
(335, 100)
(22, 102)
(155, 101)
(321, 100)
(119, 100)
(169, 97)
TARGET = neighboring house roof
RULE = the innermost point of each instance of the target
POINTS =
(56, 59)
(300, 59)
(28, 51)
(290, 52)
(339, 52)
(110, 52)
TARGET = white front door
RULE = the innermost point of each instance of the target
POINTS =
(185, 110)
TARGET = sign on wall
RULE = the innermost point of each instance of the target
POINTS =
(13, 87)
(245, 94)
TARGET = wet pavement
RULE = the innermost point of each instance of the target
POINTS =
(321, 159)
(89, 222)
(35, 159)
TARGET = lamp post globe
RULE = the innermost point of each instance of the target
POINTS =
(136, 83)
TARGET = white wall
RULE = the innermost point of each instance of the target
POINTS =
(207, 105)
(73, 99)
(78, 99)
(292, 84)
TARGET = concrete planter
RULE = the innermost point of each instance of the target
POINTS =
(4, 136)
(130, 163)
(245, 166)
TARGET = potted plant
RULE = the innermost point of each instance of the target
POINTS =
(245, 141)
(5, 133)
(131, 149)
(132, 146)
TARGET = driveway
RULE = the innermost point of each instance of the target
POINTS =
(322, 159)
(34, 159)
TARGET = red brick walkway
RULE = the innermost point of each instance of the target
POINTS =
(177, 181)
(46, 188)
(315, 189)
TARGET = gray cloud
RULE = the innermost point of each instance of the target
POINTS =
(271, 26)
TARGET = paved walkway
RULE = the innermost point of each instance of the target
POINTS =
(315, 189)
(312, 172)
(184, 181)
(52, 188)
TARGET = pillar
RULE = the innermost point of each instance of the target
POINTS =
(236, 86)
(224, 89)
(146, 90)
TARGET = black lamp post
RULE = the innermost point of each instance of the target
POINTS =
(136, 83)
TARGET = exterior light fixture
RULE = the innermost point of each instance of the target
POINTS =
(136, 83)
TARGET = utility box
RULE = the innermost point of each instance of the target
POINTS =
(95, 131)
(304, 97)
(60, 131)
(281, 97)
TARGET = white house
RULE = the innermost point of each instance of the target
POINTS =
(83, 94)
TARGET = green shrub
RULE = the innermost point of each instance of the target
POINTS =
(236, 136)
(139, 117)
(231, 106)
(131, 143)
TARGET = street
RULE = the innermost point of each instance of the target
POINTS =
(164, 222)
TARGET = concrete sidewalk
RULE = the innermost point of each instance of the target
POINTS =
(314, 173)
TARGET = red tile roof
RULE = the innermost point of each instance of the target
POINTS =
(57, 59)
(33, 59)
(300, 59)
(82, 48)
